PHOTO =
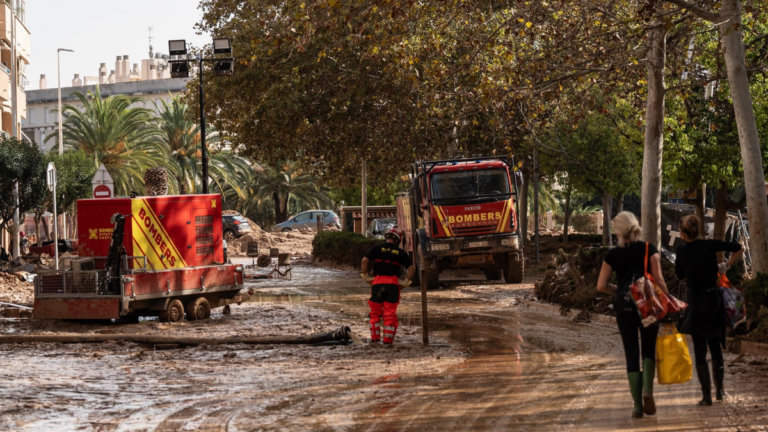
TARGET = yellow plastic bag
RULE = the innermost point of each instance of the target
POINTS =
(673, 361)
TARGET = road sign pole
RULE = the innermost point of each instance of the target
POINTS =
(55, 228)
(51, 178)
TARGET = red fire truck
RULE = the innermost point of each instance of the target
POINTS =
(462, 213)
(143, 256)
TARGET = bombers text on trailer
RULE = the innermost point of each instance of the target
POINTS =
(223, 66)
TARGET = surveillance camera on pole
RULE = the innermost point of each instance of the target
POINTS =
(222, 66)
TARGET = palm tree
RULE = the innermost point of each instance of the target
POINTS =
(182, 138)
(285, 182)
(113, 133)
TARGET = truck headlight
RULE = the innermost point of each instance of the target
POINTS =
(509, 241)
(439, 247)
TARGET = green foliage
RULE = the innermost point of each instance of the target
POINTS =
(703, 141)
(276, 192)
(124, 139)
(181, 136)
(377, 195)
(598, 161)
(74, 171)
(23, 163)
(345, 248)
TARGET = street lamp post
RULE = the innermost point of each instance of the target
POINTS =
(61, 135)
(61, 131)
(180, 69)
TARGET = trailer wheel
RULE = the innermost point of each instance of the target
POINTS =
(493, 274)
(198, 309)
(174, 312)
(513, 270)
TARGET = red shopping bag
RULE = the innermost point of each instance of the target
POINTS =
(651, 302)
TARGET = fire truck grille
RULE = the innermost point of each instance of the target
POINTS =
(203, 220)
(474, 230)
(204, 239)
(69, 282)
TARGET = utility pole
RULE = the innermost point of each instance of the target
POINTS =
(15, 132)
(203, 147)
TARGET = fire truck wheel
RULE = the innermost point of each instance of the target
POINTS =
(493, 274)
(198, 309)
(513, 271)
(174, 312)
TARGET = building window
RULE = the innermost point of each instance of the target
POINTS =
(31, 115)
(47, 115)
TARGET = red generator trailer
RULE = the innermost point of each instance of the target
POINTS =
(146, 256)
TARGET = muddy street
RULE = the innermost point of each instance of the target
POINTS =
(498, 361)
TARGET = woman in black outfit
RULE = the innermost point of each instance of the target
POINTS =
(705, 316)
(628, 261)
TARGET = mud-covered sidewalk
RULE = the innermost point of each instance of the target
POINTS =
(498, 361)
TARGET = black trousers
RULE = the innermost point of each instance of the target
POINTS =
(700, 349)
(629, 327)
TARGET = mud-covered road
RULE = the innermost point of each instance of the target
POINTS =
(498, 361)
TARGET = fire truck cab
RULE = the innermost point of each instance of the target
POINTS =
(462, 213)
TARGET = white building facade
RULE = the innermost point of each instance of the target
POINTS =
(42, 105)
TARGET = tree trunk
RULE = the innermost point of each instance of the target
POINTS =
(567, 218)
(607, 207)
(38, 216)
(46, 229)
(524, 204)
(620, 203)
(654, 137)
(281, 210)
(721, 216)
(699, 208)
(182, 185)
(754, 178)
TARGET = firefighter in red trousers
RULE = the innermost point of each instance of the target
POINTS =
(388, 260)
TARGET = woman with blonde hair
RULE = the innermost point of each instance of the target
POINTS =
(628, 260)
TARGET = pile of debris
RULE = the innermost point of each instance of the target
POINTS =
(15, 289)
(296, 243)
(17, 277)
(571, 281)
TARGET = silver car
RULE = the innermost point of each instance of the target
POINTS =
(307, 219)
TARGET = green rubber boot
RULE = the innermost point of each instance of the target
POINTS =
(636, 388)
(649, 371)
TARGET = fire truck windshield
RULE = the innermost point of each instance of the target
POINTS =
(471, 186)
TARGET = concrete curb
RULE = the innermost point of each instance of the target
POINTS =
(755, 349)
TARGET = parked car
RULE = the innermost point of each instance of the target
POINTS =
(234, 226)
(378, 227)
(307, 219)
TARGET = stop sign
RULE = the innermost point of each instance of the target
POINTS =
(102, 191)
